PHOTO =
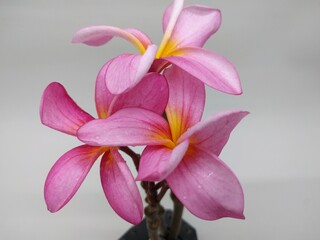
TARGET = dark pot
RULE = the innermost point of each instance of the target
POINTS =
(139, 232)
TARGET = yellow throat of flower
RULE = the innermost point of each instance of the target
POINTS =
(166, 48)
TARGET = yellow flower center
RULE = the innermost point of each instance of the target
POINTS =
(177, 126)
(166, 48)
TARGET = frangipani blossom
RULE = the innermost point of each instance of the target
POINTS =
(60, 112)
(182, 150)
(185, 32)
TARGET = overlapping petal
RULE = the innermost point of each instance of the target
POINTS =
(120, 188)
(207, 187)
(103, 97)
(67, 174)
(99, 35)
(186, 101)
(127, 70)
(175, 11)
(151, 93)
(141, 36)
(213, 69)
(129, 126)
(193, 27)
(213, 133)
(157, 162)
(60, 112)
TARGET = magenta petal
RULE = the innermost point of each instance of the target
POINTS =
(67, 174)
(143, 38)
(213, 69)
(95, 35)
(166, 17)
(194, 25)
(129, 126)
(213, 133)
(120, 188)
(207, 187)
(99, 35)
(127, 70)
(60, 112)
(103, 97)
(170, 18)
(157, 162)
(151, 93)
(186, 100)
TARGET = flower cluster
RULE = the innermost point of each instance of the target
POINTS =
(154, 99)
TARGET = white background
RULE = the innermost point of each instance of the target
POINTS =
(275, 46)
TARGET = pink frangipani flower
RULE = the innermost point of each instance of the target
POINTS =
(185, 32)
(60, 112)
(182, 150)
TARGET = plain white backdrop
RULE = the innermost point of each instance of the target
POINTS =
(274, 151)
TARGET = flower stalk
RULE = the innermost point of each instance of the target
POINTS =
(176, 218)
(133, 155)
(152, 211)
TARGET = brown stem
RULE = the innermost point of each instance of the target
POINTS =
(176, 218)
(152, 210)
(163, 228)
(153, 222)
(135, 156)
(162, 192)
(159, 185)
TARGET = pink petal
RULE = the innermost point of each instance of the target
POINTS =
(175, 10)
(171, 16)
(213, 69)
(207, 187)
(99, 35)
(213, 133)
(120, 188)
(60, 112)
(151, 93)
(158, 65)
(129, 126)
(127, 70)
(103, 97)
(143, 38)
(67, 174)
(157, 162)
(186, 101)
(194, 25)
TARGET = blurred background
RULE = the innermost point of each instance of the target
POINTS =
(275, 46)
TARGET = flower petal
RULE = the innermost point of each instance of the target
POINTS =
(213, 69)
(175, 10)
(186, 101)
(60, 112)
(157, 162)
(127, 70)
(193, 27)
(151, 93)
(129, 126)
(67, 174)
(99, 35)
(207, 187)
(103, 97)
(213, 133)
(120, 188)
(141, 36)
